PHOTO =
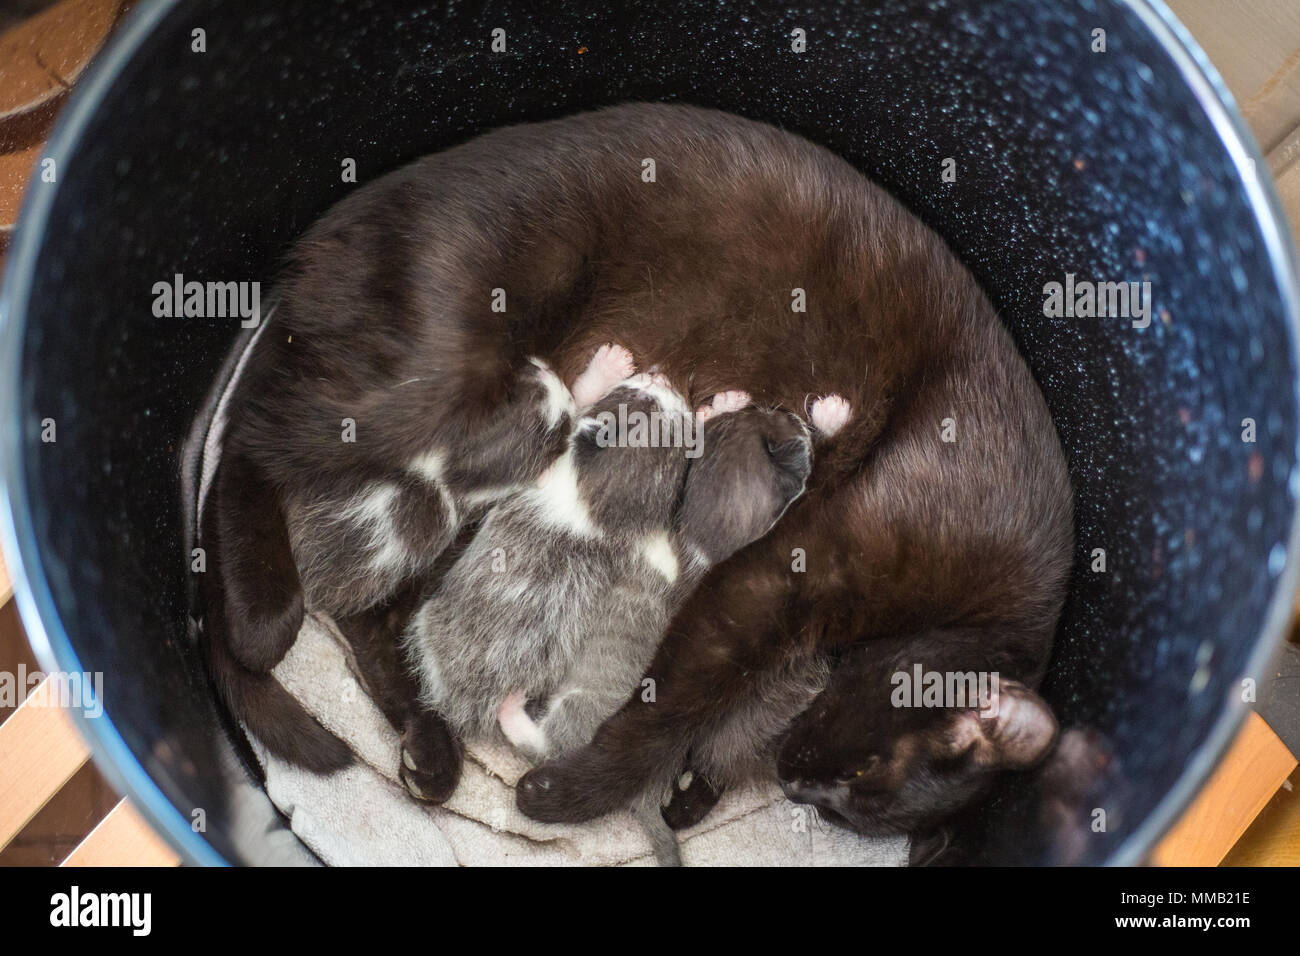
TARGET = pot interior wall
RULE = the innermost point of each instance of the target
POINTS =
(1067, 161)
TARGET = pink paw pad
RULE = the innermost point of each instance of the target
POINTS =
(515, 723)
(830, 413)
(722, 403)
(610, 365)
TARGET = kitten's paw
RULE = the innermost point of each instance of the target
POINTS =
(691, 800)
(431, 759)
(830, 413)
(722, 403)
(259, 635)
(555, 398)
(569, 789)
(610, 365)
(518, 725)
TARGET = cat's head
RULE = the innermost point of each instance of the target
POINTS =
(882, 752)
(629, 451)
(753, 463)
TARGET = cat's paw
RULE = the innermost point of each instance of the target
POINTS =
(610, 365)
(552, 395)
(690, 802)
(573, 788)
(431, 759)
(656, 386)
(830, 413)
(722, 403)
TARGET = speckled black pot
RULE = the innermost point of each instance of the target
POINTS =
(1120, 165)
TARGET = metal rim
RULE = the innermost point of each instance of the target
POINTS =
(54, 650)
(1220, 108)
(45, 632)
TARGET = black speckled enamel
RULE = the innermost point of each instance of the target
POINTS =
(1098, 164)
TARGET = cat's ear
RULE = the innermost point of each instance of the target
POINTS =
(1013, 730)
(927, 849)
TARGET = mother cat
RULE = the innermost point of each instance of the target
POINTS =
(937, 522)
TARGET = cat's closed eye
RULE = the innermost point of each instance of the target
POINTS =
(860, 770)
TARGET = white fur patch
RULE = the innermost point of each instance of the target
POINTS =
(658, 550)
(830, 413)
(558, 397)
(419, 646)
(372, 510)
(559, 498)
(658, 388)
(428, 466)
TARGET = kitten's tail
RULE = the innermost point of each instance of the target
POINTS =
(663, 841)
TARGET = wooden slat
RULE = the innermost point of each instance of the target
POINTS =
(1256, 49)
(43, 57)
(122, 839)
(1288, 189)
(1245, 781)
(1274, 838)
(39, 751)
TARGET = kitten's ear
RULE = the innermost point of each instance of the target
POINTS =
(587, 433)
(1013, 731)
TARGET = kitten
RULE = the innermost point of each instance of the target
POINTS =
(567, 588)
(588, 546)
(357, 540)
(755, 462)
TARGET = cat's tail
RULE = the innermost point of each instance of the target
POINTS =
(271, 714)
(251, 693)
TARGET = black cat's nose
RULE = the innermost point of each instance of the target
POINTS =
(795, 790)
(808, 791)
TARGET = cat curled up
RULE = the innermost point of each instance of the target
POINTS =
(953, 554)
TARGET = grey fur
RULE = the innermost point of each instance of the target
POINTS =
(550, 566)
(577, 610)
(353, 548)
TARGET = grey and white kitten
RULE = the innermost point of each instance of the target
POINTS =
(564, 594)
(754, 463)
(590, 545)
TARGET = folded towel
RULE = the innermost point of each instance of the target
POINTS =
(364, 816)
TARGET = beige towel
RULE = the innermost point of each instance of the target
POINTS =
(364, 816)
